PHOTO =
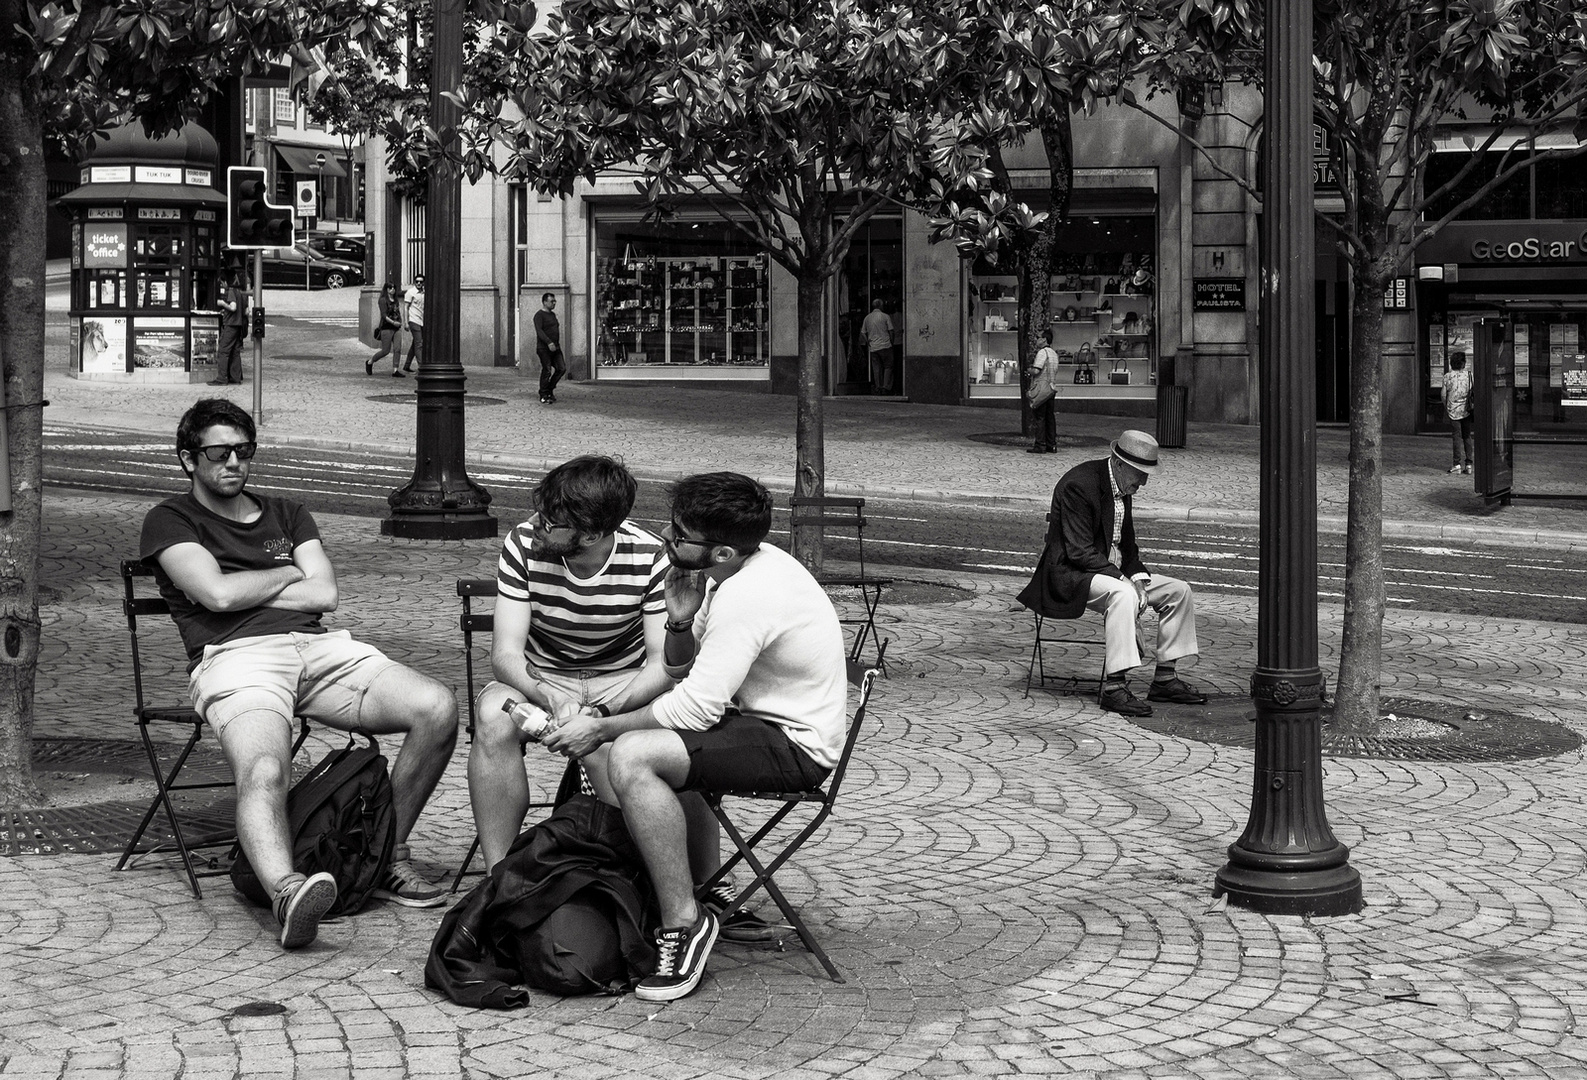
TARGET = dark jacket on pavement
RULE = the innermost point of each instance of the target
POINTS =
(569, 910)
(1079, 533)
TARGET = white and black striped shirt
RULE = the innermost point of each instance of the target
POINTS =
(589, 624)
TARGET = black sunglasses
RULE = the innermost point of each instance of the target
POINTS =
(221, 451)
(675, 539)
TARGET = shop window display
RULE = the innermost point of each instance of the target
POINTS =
(669, 303)
(1104, 317)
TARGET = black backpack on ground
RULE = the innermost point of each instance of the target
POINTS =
(340, 820)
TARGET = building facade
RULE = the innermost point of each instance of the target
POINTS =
(1156, 279)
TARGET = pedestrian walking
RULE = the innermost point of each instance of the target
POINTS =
(413, 301)
(233, 325)
(877, 329)
(548, 348)
(390, 326)
(1041, 395)
(1457, 405)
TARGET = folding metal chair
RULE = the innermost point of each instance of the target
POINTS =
(841, 512)
(132, 571)
(823, 799)
(472, 622)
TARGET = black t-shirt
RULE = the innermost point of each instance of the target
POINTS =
(262, 544)
(548, 331)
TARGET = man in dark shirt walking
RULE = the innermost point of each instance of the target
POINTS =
(233, 325)
(548, 348)
(247, 580)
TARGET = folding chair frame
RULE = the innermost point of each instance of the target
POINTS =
(824, 798)
(472, 622)
(166, 781)
(845, 513)
(1037, 671)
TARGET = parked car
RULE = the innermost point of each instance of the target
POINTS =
(343, 246)
(285, 266)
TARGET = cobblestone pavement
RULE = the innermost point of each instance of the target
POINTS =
(316, 393)
(1011, 886)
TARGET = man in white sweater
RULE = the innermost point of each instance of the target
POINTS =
(760, 704)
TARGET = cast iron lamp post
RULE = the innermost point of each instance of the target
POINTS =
(441, 502)
(1288, 861)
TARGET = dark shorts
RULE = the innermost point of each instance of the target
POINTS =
(746, 753)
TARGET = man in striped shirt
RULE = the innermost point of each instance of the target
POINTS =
(580, 622)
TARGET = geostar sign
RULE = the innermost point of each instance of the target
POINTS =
(1507, 243)
(1530, 249)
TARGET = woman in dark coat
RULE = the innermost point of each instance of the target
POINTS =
(390, 325)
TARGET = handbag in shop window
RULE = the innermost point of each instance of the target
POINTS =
(1120, 375)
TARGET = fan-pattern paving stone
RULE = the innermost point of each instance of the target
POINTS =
(1011, 885)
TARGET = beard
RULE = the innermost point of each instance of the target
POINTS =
(548, 551)
(699, 562)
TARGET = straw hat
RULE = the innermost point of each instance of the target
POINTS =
(1138, 450)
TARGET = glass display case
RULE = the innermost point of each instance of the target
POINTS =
(1104, 325)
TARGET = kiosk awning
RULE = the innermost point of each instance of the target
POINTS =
(122, 193)
(300, 160)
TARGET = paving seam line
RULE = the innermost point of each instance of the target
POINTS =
(1495, 536)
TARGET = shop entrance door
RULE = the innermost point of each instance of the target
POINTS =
(873, 270)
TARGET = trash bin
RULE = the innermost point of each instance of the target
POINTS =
(1172, 402)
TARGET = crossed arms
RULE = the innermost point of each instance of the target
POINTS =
(307, 583)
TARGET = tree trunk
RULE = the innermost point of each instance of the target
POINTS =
(810, 461)
(1356, 707)
(22, 207)
(1035, 279)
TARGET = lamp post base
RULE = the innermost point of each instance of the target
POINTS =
(467, 526)
(1274, 890)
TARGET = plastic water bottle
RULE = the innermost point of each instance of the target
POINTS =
(530, 718)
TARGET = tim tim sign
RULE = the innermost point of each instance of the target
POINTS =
(1507, 243)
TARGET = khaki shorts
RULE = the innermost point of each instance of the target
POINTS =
(320, 676)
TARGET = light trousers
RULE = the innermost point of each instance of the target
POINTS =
(1176, 619)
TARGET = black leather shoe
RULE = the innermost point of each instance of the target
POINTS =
(1037, 450)
(1176, 691)
(1121, 701)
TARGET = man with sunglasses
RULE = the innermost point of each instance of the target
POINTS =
(248, 580)
(760, 706)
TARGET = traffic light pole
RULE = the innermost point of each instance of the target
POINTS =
(258, 341)
(441, 502)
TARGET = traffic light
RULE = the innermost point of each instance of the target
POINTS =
(252, 220)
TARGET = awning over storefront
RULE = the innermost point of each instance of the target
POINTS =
(300, 160)
(120, 193)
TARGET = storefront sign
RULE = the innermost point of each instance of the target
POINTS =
(104, 213)
(203, 215)
(105, 245)
(1397, 297)
(1220, 294)
(204, 339)
(198, 177)
(159, 343)
(158, 174)
(1508, 243)
(159, 213)
(111, 174)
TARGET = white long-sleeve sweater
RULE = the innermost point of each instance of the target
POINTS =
(767, 642)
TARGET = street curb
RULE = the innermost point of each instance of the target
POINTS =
(1485, 535)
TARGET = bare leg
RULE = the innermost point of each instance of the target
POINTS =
(705, 846)
(258, 746)
(645, 766)
(402, 700)
(498, 789)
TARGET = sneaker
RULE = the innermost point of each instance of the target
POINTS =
(681, 961)
(395, 374)
(404, 885)
(1454, 468)
(300, 905)
(369, 367)
(741, 926)
(1466, 468)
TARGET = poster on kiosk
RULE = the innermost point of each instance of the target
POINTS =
(1493, 400)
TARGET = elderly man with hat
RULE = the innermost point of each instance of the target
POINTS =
(1091, 560)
